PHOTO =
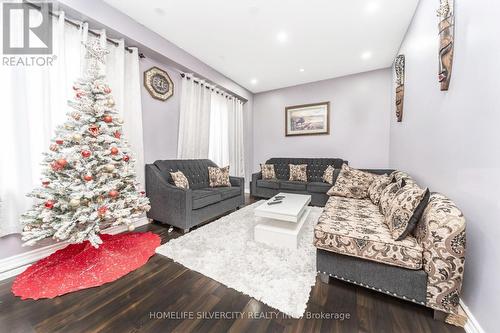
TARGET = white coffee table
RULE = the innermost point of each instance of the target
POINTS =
(279, 225)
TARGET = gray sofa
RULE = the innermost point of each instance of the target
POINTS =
(315, 185)
(187, 208)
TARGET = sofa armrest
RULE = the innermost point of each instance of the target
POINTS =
(256, 176)
(441, 233)
(169, 204)
(239, 181)
(253, 184)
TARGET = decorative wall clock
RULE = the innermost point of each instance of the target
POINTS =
(158, 83)
(399, 69)
(446, 16)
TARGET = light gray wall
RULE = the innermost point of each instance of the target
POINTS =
(450, 141)
(359, 120)
(160, 119)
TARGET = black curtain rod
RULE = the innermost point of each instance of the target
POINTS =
(78, 26)
(217, 92)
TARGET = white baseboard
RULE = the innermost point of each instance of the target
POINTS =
(16, 264)
(472, 325)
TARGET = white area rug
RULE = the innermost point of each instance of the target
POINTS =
(225, 251)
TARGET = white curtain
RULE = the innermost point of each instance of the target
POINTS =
(34, 102)
(194, 119)
(218, 150)
(211, 125)
(236, 137)
(123, 75)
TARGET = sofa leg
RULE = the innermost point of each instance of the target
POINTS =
(185, 231)
(325, 278)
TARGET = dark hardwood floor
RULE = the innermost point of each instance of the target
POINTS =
(163, 296)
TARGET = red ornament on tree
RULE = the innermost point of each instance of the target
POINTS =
(102, 210)
(94, 130)
(62, 162)
(55, 166)
(107, 90)
(45, 182)
(113, 194)
(79, 94)
(114, 151)
(87, 178)
(49, 204)
(107, 119)
(86, 153)
(126, 158)
(143, 193)
(117, 134)
(59, 141)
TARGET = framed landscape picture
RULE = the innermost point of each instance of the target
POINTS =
(308, 119)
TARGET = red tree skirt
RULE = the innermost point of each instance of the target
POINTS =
(81, 266)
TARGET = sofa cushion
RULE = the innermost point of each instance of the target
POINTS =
(272, 184)
(196, 171)
(180, 180)
(317, 187)
(376, 188)
(219, 177)
(225, 192)
(403, 207)
(352, 183)
(203, 198)
(315, 166)
(355, 227)
(267, 171)
(386, 197)
(328, 175)
(398, 176)
(298, 172)
(291, 185)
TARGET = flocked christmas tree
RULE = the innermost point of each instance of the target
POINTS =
(89, 180)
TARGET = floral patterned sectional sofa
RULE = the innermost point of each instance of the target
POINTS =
(386, 233)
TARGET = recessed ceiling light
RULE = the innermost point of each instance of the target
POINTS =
(282, 37)
(301, 70)
(366, 55)
(159, 11)
(372, 7)
(253, 81)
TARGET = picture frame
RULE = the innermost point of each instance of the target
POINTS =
(307, 119)
(158, 83)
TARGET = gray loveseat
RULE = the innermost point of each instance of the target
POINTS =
(187, 208)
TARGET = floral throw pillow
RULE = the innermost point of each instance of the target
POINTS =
(402, 209)
(376, 187)
(386, 197)
(298, 172)
(328, 175)
(268, 171)
(219, 177)
(352, 183)
(179, 179)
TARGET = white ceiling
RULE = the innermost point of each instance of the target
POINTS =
(264, 44)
